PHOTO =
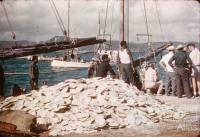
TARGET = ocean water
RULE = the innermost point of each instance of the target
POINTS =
(47, 73)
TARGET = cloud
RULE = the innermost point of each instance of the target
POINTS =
(34, 19)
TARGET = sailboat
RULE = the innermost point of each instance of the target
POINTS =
(70, 64)
(71, 59)
(112, 54)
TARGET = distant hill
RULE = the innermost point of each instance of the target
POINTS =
(114, 44)
(6, 44)
(57, 39)
(132, 45)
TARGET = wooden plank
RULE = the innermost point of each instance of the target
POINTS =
(10, 133)
(7, 126)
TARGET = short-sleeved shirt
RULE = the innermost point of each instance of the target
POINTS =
(181, 58)
(195, 57)
(165, 59)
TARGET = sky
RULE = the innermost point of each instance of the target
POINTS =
(34, 19)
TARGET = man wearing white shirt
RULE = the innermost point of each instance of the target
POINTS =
(151, 81)
(170, 77)
(126, 63)
(195, 57)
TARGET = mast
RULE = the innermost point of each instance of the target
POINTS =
(99, 24)
(105, 23)
(122, 20)
(146, 22)
(127, 21)
(68, 24)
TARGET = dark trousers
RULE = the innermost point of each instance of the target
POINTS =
(2, 87)
(127, 73)
(34, 84)
(170, 82)
(182, 81)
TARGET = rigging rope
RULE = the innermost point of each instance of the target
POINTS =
(162, 35)
(99, 32)
(104, 31)
(146, 21)
(8, 20)
(68, 24)
(111, 23)
(105, 23)
(58, 18)
(148, 35)
(58, 15)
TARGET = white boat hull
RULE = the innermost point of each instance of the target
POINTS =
(69, 64)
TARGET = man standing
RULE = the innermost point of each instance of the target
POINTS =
(170, 77)
(34, 73)
(195, 57)
(182, 71)
(2, 81)
(126, 63)
(104, 67)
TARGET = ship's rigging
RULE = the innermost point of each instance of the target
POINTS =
(20, 51)
(8, 20)
(58, 18)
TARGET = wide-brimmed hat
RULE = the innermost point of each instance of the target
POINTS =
(171, 48)
(180, 46)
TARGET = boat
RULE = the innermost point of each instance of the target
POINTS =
(71, 59)
(69, 64)
(45, 58)
(42, 58)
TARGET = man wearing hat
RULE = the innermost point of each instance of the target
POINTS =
(170, 79)
(181, 67)
(34, 73)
